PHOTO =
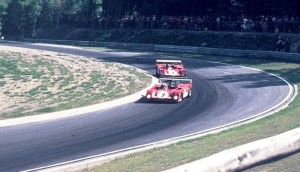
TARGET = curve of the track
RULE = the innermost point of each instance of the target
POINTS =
(221, 94)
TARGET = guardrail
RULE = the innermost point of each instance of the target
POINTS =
(181, 49)
(247, 155)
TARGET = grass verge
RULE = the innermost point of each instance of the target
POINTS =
(43, 82)
(163, 158)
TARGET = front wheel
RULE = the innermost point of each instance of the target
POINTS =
(178, 98)
(157, 71)
(190, 93)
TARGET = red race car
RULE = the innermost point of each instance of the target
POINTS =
(170, 68)
(174, 89)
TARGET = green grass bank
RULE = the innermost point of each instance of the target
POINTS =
(42, 82)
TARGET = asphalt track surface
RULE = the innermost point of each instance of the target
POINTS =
(221, 94)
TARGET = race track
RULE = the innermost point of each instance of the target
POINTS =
(221, 94)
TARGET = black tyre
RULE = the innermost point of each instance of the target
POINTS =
(190, 93)
(179, 98)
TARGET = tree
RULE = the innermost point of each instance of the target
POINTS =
(112, 7)
(13, 19)
(3, 6)
(72, 6)
(46, 20)
(24, 17)
(31, 12)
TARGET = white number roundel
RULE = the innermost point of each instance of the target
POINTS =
(162, 94)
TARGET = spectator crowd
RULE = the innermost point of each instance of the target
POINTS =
(288, 24)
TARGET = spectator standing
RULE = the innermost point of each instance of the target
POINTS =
(148, 21)
(218, 20)
(153, 20)
(287, 45)
(279, 44)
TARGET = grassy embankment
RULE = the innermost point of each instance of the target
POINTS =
(40, 83)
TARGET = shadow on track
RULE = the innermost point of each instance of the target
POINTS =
(144, 100)
(253, 80)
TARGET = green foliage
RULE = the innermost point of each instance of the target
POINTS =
(13, 20)
(45, 19)
(32, 11)
(46, 109)
(200, 7)
(72, 6)
(3, 7)
(2, 83)
(9, 67)
(23, 18)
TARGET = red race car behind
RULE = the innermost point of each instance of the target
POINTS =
(170, 68)
(170, 89)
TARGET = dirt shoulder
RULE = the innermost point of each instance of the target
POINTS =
(34, 82)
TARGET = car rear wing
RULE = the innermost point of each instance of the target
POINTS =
(168, 61)
(179, 80)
